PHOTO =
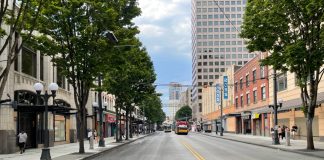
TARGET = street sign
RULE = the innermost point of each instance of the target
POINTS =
(225, 87)
(218, 93)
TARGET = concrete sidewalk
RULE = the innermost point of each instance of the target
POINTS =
(69, 151)
(296, 146)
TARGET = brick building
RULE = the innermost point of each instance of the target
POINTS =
(250, 93)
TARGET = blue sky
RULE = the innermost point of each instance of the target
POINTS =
(165, 27)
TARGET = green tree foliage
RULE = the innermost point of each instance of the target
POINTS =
(184, 113)
(152, 108)
(74, 33)
(16, 23)
(130, 77)
(292, 31)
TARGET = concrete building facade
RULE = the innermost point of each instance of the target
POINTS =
(216, 44)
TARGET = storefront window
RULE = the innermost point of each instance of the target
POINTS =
(59, 128)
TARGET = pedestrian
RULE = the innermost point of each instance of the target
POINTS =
(90, 134)
(283, 134)
(22, 141)
(279, 132)
(95, 135)
(294, 129)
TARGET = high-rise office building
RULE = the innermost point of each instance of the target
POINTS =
(216, 43)
(174, 98)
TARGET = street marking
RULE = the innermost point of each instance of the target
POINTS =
(195, 153)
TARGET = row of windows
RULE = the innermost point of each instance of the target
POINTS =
(216, 23)
(222, 63)
(218, 16)
(219, 43)
(247, 98)
(210, 30)
(218, 36)
(234, 49)
(223, 9)
(208, 76)
(227, 56)
(247, 78)
(221, 3)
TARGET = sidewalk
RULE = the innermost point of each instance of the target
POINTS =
(296, 146)
(69, 151)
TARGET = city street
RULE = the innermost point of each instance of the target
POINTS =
(166, 146)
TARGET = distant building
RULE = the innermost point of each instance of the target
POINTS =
(174, 98)
(185, 98)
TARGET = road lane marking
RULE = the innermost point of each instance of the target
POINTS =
(195, 153)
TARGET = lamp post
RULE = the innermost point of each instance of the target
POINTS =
(101, 139)
(53, 87)
(275, 139)
(221, 114)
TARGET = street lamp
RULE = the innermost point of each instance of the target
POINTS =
(53, 87)
(101, 139)
(275, 106)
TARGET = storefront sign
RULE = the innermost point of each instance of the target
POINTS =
(110, 118)
(255, 116)
(218, 93)
(225, 87)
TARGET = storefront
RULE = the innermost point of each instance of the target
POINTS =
(110, 124)
(246, 122)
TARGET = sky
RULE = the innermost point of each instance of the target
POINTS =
(165, 27)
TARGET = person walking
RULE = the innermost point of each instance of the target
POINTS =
(22, 141)
(294, 129)
(95, 135)
(283, 133)
(279, 132)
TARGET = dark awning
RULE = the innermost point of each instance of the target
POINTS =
(41, 108)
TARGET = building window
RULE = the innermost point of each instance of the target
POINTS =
(241, 101)
(241, 83)
(263, 93)
(235, 86)
(255, 98)
(248, 99)
(254, 76)
(236, 102)
(59, 129)
(282, 82)
(29, 62)
(247, 80)
(200, 107)
(262, 74)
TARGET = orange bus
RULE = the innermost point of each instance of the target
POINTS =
(181, 127)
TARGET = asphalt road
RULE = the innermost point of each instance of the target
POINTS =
(169, 146)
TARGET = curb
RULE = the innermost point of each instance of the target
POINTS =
(113, 148)
(267, 146)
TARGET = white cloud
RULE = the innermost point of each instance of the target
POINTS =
(150, 30)
(159, 9)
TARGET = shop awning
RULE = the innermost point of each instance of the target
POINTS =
(41, 108)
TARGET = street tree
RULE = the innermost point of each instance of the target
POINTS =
(74, 33)
(130, 77)
(184, 113)
(291, 30)
(17, 21)
(151, 106)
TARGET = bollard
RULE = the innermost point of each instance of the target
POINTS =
(91, 142)
(287, 137)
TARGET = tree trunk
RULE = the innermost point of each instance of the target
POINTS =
(127, 127)
(81, 133)
(120, 129)
(131, 126)
(310, 141)
(117, 125)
